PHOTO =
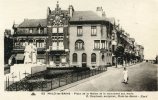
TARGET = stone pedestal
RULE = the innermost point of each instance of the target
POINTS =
(20, 71)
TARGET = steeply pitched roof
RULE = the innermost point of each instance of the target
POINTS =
(85, 16)
(33, 23)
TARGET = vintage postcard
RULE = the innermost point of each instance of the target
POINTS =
(85, 49)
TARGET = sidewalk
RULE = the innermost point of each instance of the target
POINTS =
(127, 65)
(110, 75)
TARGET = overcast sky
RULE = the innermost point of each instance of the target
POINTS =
(139, 18)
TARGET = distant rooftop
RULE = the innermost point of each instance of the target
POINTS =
(85, 16)
(33, 23)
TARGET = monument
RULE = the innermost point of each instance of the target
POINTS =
(30, 65)
(30, 54)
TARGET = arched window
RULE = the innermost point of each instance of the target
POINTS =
(93, 57)
(84, 57)
(79, 45)
(74, 57)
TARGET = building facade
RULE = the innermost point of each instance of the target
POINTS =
(49, 35)
(90, 39)
(72, 38)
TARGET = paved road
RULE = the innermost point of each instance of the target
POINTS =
(142, 77)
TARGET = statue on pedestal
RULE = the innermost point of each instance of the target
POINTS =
(27, 54)
(34, 53)
(30, 54)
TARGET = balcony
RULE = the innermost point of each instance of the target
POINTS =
(56, 48)
(29, 34)
(103, 50)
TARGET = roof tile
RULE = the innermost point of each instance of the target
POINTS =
(33, 23)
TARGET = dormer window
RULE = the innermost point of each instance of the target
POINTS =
(31, 30)
(39, 30)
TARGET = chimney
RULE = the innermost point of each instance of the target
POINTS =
(71, 10)
(103, 14)
(25, 19)
(99, 11)
(48, 11)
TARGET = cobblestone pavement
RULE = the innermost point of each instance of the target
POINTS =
(142, 77)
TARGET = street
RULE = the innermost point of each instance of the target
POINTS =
(142, 77)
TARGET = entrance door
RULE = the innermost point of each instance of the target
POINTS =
(84, 60)
(56, 59)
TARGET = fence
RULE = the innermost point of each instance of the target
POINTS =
(53, 83)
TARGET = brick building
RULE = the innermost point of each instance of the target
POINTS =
(50, 36)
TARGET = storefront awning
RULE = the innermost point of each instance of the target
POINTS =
(19, 57)
(10, 59)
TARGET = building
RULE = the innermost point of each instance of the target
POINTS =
(73, 38)
(90, 39)
(58, 36)
(50, 36)
(140, 52)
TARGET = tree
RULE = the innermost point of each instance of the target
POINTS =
(8, 45)
(119, 52)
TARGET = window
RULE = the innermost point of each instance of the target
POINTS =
(93, 57)
(106, 44)
(102, 44)
(79, 45)
(63, 59)
(31, 30)
(79, 31)
(40, 30)
(54, 30)
(39, 43)
(93, 30)
(96, 44)
(22, 43)
(61, 30)
(61, 45)
(74, 58)
(84, 57)
(54, 45)
(57, 58)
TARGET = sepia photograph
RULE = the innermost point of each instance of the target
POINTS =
(72, 47)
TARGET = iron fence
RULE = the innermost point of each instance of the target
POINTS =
(50, 84)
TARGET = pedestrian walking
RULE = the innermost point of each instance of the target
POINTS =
(125, 75)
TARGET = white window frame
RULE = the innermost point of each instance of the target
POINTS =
(93, 30)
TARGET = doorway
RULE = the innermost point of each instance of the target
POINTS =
(84, 60)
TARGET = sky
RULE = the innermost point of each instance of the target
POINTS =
(139, 18)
